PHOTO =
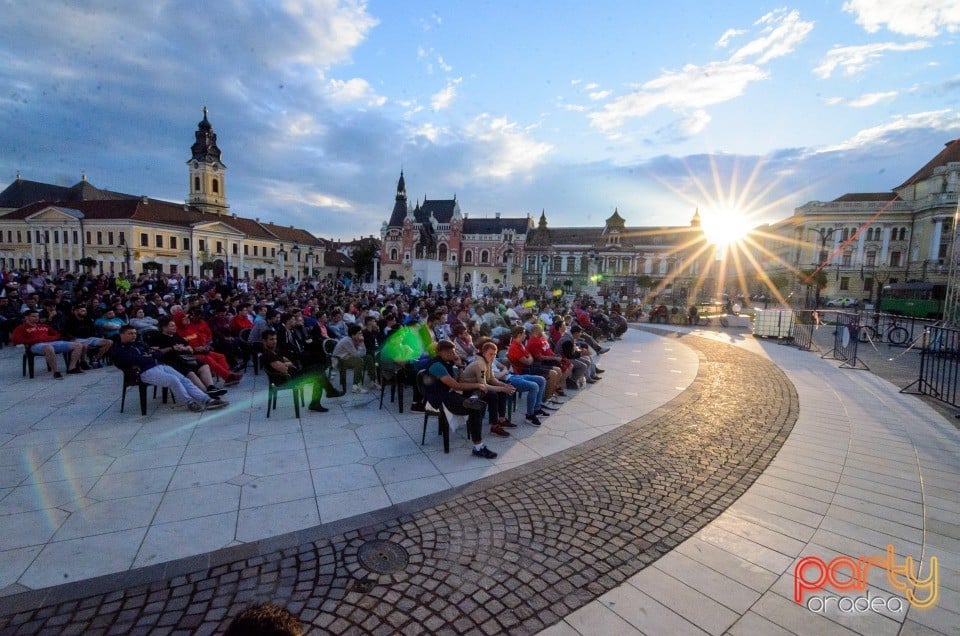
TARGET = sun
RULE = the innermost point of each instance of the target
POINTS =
(723, 227)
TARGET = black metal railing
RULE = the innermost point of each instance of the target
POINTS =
(846, 339)
(939, 365)
(803, 325)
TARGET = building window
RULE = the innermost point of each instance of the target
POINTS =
(173, 242)
(10, 236)
(273, 252)
(394, 254)
(871, 258)
(219, 247)
(419, 251)
(468, 256)
(109, 238)
(99, 238)
(255, 250)
(196, 184)
(173, 269)
(76, 240)
(894, 259)
(442, 253)
(19, 237)
(846, 259)
(201, 245)
(186, 244)
(236, 248)
(484, 257)
(868, 285)
(159, 240)
(844, 283)
(903, 234)
(246, 250)
(216, 186)
(144, 239)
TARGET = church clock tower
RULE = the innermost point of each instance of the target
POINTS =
(207, 173)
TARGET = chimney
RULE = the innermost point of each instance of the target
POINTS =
(144, 200)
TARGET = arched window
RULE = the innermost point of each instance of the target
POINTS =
(196, 184)
(216, 186)
(394, 254)
(903, 234)
(442, 252)
(468, 256)
(419, 251)
(484, 257)
(483, 279)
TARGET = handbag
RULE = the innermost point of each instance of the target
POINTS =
(188, 360)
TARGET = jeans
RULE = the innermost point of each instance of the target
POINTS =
(534, 386)
(169, 378)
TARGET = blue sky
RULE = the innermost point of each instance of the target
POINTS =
(515, 107)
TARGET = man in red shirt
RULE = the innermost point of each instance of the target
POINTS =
(42, 339)
(524, 363)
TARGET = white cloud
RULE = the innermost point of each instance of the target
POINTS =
(429, 131)
(353, 91)
(333, 29)
(504, 148)
(728, 35)
(854, 59)
(923, 18)
(590, 86)
(941, 120)
(295, 193)
(598, 95)
(303, 125)
(870, 99)
(782, 32)
(577, 108)
(443, 65)
(445, 96)
(421, 52)
(692, 88)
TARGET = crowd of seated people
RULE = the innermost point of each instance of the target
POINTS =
(206, 330)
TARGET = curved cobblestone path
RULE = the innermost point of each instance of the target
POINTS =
(514, 552)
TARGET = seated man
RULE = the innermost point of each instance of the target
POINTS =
(524, 364)
(480, 371)
(79, 327)
(282, 370)
(128, 355)
(584, 368)
(352, 354)
(442, 387)
(533, 385)
(42, 339)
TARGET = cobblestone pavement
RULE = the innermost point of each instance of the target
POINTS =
(514, 552)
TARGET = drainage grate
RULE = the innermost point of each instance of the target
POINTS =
(383, 557)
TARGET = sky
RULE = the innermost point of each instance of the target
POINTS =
(514, 107)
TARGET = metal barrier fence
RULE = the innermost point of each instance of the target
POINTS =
(803, 325)
(846, 339)
(939, 365)
(896, 331)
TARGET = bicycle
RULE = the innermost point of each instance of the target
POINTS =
(893, 333)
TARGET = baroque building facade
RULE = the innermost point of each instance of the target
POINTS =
(54, 228)
(435, 242)
(862, 240)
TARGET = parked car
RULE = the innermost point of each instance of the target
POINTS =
(843, 301)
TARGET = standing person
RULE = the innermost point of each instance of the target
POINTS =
(128, 354)
(42, 339)
(441, 387)
(481, 371)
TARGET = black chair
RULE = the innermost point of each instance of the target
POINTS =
(429, 410)
(28, 363)
(392, 378)
(295, 386)
(251, 351)
(131, 377)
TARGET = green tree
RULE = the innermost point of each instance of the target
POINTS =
(363, 259)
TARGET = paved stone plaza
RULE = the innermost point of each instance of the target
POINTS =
(666, 464)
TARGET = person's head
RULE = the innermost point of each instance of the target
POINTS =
(446, 351)
(80, 311)
(139, 313)
(31, 316)
(109, 314)
(575, 330)
(536, 330)
(489, 351)
(265, 620)
(355, 331)
(518, 333)
(269, 339)
(459, 329)
(288, 320)
(167, 325)
(128, 334)
(370, 324)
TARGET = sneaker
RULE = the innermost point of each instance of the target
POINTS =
(319, 408)
(484, 452)
(333, 393)
(561, 393)
(590, 381)
(541, 413)
(507, 424)
(215, 403)
(76, 371)
(573, 386)
(57, 375)
(599, 370)
(417, 407)
(358, 389)
(214, 392)
(497, 430)
(603, 350)
(555, 401)
(533, 420)
(549, 407)
(196, 407)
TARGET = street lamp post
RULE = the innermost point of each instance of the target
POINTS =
(376, 270)
(310, 262)
(509, 255)
(825, 235)
(126, 259)
(295, 254)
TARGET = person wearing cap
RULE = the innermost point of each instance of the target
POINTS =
(42, 339)
(441, 386)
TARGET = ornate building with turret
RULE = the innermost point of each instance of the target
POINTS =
(434, 241)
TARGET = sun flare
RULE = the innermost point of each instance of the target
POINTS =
(724, 227)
